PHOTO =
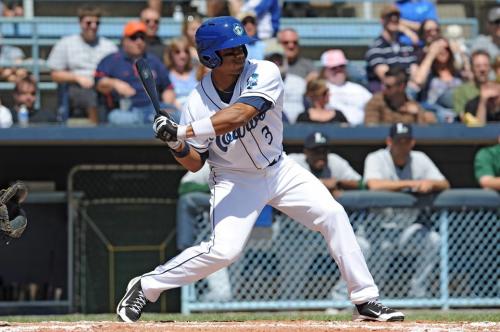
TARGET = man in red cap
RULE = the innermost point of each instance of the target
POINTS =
(118, 81)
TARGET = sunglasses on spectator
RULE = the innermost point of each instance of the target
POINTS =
(392, 17)
(336, 68)
(136, 36)
(293, 42)
(89, 23)
(27, 93)
(432, 30)
(497, 22)
(147, 21)
(181, 51)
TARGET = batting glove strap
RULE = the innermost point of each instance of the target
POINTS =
(174, 145)
(184, 152)
(165, 129)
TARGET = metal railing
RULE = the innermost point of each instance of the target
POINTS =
(435, 253)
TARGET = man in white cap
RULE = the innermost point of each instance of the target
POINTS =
(491, 42)
(348, 97)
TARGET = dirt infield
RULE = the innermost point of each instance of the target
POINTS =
(250, 326)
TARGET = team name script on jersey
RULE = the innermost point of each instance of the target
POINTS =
(224, 140)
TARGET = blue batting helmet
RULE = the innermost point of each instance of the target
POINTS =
(216, 34)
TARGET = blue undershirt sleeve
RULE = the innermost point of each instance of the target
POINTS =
(261, 104)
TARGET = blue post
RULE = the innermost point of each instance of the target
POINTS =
(443, 230)
(185, 299)
(35, 54)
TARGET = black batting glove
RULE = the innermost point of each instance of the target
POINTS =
(165, 128)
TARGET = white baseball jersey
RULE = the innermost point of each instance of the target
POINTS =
(259, 142)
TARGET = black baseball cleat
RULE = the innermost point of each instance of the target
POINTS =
(130, 307)
(374, 310)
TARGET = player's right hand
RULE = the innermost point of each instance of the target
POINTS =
(165, 128)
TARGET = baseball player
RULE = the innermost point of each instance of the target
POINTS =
(233, 120)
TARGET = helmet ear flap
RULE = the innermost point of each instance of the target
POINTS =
(216, 60)
(211, 61)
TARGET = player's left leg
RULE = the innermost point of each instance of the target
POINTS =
(305, 199)
(235, 208)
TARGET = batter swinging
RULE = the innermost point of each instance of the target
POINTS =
(233, 121)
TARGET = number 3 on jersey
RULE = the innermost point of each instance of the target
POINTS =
(267, 134)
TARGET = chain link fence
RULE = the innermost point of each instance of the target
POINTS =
(422, 252)
(124, 224)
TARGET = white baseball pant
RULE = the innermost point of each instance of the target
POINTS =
(237, 199)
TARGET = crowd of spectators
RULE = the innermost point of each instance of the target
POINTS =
(415, 72)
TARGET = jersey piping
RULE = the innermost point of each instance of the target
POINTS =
(198, 255)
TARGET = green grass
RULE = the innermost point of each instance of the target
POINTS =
(413, 315)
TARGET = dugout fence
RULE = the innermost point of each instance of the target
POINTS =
(122, 227)
(430, 251)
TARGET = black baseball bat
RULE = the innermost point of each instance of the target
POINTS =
(148, 82)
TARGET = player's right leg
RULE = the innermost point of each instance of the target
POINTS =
(305, 199)
(236, 208)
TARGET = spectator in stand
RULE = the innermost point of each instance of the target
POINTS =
(294, 86)
(480, 65)
(491, 42)
(5, 117)
(13, 56)
(433, 82)
(267, 13)
(25, 95)
(331, 169)
(485, 107)
(487, 167)
(413, 14)
(399, 168)
(117, 79)
(256, 47)
(348, 97)
(318, 93)
(73, 61)
(393, 105)
(430, 30)
(182, 74)
(154, 44)
(297, 64)
(14, 8)
(189, 27)
(386, 51)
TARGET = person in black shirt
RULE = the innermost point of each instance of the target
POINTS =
(25, 94)
(319, 95)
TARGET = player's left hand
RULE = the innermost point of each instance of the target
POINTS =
(165, 128)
